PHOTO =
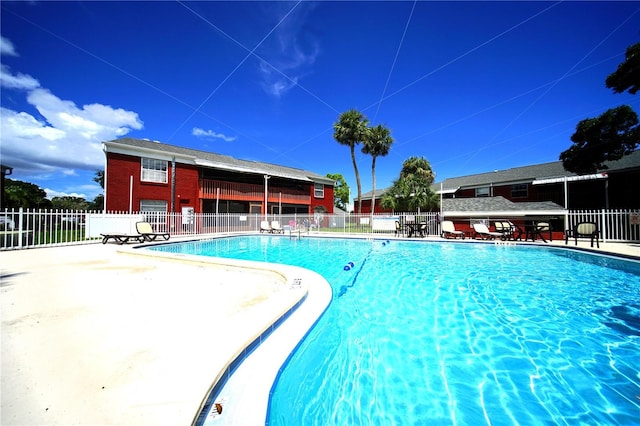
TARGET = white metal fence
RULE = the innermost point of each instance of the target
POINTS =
(23, 228)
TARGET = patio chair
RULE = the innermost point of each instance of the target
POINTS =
(265, 227)
(505, 228)
(544, 227)
(481, 230)
(276, 228)
(449, 230)
(398, 229)
(147, 232)
(583, 230)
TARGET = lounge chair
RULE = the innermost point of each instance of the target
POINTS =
(583, 230)
(276, 228)
(481, 230)
(449, 230)
(504, 228)
(265, 227)
(147, 232)
(122, 238)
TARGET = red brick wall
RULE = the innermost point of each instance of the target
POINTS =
(121, 167)
(326, 202)
(366, 207)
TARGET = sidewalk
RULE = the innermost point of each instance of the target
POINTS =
(97, 337)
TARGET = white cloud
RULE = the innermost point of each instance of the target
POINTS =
(293, 50)
(18, 81)
(65, 137)
(6, 47)
(51, 193)
(210, 134)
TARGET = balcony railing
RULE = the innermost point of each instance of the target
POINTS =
(215, 189)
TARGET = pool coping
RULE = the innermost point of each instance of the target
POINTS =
(280, 336)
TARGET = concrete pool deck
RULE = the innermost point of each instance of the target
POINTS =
(93, 334)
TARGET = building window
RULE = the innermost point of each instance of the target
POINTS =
(520, 190)
(154, 170)
(482, 192)
(155, 212)
(318, 190)
(153, 206)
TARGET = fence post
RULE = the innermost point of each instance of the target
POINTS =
(20, 223)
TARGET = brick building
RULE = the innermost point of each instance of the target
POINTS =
(142, 175)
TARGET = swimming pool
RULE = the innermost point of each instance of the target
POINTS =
(457, 333)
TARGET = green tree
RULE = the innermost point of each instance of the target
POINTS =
(413, 189)
(99, 178)
(26, 195)
(377, 143)
(340, 191)
(613, 134)
(350, 130)
(97, 203)
(627, 76)
(68, 202)
(608, 137)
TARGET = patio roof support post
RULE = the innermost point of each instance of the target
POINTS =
(266, 195)
(173, 184)
(566, 204)
(130, 194)
(217, 200)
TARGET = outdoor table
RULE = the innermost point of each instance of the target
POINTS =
(413, 228)
(532, 231)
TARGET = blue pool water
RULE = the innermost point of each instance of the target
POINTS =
(457, 334)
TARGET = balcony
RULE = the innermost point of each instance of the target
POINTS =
(216, 189)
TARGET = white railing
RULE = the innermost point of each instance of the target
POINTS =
(614, 225)
(24, 228)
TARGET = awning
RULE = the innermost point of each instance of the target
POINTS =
(570, 179)
(448, 191)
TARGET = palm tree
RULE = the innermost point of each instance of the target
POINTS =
(412, 190)
(350, 130)
(377, 144)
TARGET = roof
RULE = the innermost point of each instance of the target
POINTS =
(537, 172)
(212, 160)
(531, 173)
(498, 206)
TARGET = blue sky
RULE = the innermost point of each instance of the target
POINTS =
(470, 86)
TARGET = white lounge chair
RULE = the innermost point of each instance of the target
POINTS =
(276, 228)
(507, 229)
(265, 227)
(481, 230)
(147, 232)
(449, 230)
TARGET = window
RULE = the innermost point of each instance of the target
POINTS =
(520, 190)
(153, 206)
(482, 192)
(155, 212)
(318, 190)
(154, 170)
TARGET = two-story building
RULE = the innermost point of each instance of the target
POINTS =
(614, 188)
(143, 175)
